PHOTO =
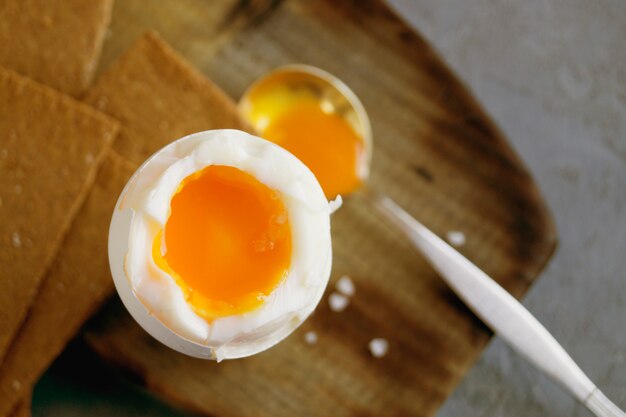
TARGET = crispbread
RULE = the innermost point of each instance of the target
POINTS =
(75, 285)
(79, 278)
(23, 409)
(55, 42)
(159, 97)
(50, 146)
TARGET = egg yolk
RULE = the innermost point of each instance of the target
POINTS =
(324, 141)
(302, 120)
(227, 241)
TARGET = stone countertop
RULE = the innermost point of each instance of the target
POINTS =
(552, 74)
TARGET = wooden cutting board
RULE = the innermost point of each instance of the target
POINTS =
(436, 153)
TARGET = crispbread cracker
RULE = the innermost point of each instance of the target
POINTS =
(23, 408)
(50, 146)
(159, 97)
(55, 42)
(75, 285)
(79, 279)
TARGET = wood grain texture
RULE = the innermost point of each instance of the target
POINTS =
(437, 154)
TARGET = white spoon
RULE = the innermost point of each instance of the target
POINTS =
(489, 301)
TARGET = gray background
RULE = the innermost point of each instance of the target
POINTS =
(552, 74)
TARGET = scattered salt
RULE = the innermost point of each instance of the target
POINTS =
(17, 189)
(310, 337)
(337, 302)
(456, 238)
(16, 385)
(4, 153)
(378, 347)
(345, 286)
(16, 240)
(88, 158)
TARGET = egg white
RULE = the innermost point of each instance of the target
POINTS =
(157, 302)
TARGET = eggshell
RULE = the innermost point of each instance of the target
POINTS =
(153, 298)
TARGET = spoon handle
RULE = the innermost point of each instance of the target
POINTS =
(497, 308)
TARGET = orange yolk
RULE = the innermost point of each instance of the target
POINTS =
(325, 142)
(227, 241)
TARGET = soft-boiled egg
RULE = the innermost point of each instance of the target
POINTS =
(219, 244)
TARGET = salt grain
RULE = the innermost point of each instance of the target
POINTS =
(310, 337)
(345, 286)
(16, 385)
(456, 238)
(378, 347)
(337, 302)
(17, 189)
(16, 240)
(88, 158)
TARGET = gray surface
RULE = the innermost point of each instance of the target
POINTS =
(552, 74)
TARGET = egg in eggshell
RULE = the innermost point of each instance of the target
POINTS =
(220, 244)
